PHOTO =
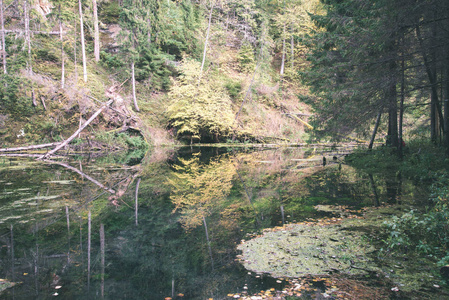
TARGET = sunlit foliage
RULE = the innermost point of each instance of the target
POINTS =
(202, 110)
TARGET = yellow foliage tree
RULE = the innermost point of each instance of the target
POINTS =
(203, 111)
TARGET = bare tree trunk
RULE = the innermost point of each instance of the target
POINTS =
(17, 149)
(33, 98)
(292, 50)
(283, 56)
(83, 46)
(74, 53)
(96, 32)
(136, 107)
(206, 41)
(62, 50)
(149, 31)
(27, 35)
(3, 46)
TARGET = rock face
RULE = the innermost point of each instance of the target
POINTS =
(43, 7)
(109, 38)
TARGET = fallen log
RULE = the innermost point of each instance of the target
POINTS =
(32, 147)
(303, 122)
(74, 135)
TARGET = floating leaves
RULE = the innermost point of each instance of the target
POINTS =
(302, 249)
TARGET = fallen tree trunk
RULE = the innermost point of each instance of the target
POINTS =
(32, 147)
(63, 144)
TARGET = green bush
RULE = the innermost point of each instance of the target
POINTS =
(234, 88)
(423, 233)
(110, 61)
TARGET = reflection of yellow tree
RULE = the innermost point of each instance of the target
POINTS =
(199, 188)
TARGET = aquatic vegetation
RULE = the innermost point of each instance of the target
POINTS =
(308, 249)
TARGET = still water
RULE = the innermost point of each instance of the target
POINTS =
(165, 225)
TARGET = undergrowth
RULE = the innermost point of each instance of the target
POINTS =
(420, 231)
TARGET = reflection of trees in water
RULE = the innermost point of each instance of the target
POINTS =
(200, 189)
(44, 253)
(147, 249)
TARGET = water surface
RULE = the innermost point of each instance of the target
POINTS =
(165, 226)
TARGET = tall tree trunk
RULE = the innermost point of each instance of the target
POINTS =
(434, 121)
(75, 53)
(96, 32)
(446, 85)
(435, 104)
(3, 46)
(292, 49)
(393, 107)
(149, 30)
(83, 46)
(133, 78)
(401, 106)
(283, 56)
(206, 41)
(27, 35)
(62, 50)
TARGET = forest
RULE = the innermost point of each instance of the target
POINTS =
(141, 79)
(215, 71)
